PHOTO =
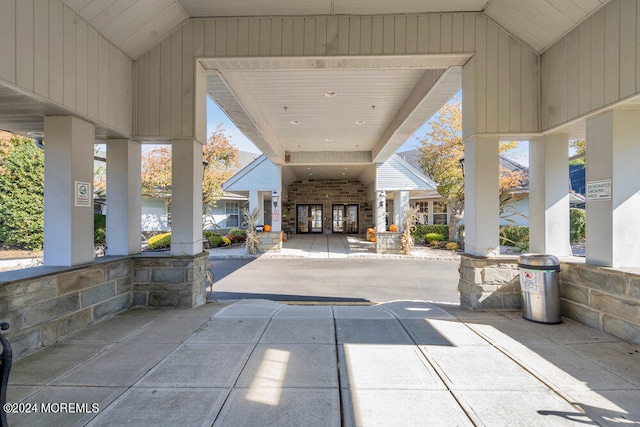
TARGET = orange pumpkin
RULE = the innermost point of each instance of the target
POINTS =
(267, 228)
(393, 228)
(373, 238)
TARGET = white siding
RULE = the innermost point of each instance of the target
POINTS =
(521, 207)
(154, 215)
(48, 50)
(392, 175)
(509, 108)
(262, 175)
(594, 66)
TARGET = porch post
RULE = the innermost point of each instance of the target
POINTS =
(481, 196)
(254, 203)
(68, 191)
(124, 197)
(400, 203)
(380, 207)
(549, 195)
(186, 221)
(613, 208)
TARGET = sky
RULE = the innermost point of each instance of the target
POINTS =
(215, 117)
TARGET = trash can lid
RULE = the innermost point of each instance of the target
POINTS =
(539, 260)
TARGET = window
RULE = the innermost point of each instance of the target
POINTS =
(440, 212)
(423, 211)
(232, 211)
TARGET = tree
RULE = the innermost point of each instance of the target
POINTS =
(440, 152)
(219, 155)
(21, 192)
(580, 147)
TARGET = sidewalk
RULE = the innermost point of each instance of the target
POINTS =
(258, 362)
(332, 246)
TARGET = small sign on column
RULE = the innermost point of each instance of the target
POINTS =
(83, 194)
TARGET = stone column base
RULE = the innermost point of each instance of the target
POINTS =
(489, 283)
(270, 241)
(169, 281)
(389, 243)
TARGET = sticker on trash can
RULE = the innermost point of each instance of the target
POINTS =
(530, 280)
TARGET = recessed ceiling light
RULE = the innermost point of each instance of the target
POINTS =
(328, 139)
(360, 122)
(295, 122)
(343, 173)
(310, 174)
(331, 94)
(36, 134)
(308, 169)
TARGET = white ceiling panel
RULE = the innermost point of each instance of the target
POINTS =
(211, 8)
(379, 7)
(542, 22)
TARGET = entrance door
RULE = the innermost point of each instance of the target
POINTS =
(309, 219)
(344, 219)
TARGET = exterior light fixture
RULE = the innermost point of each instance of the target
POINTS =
(275, 198)
(36, 134)
(462, 165)
(381, 198)
(204, 167)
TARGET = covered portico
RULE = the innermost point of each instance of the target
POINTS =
(322, 87)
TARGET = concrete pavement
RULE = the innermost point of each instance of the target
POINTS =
(258, 362)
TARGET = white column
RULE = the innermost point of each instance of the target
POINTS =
(549, 195)
(254, 202)
(430, 213)
(400, 203)
(123, 197)
(186, 204)
(380, 209)
(613, 223)
(276, 212)
(68, 208)
(481, 213)
(261, 206)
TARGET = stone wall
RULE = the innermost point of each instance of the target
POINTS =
(45, 307)
(327, 192)
(389, 243)
(603, 298)
(169, 281)
(270, 241)
(489, 283)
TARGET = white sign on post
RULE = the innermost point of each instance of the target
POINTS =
(599, 190)
(83, 194)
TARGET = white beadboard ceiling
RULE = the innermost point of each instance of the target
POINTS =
(137, 25)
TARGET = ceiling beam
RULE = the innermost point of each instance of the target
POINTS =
(328, 157)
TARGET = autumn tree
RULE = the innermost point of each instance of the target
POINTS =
(440, 152)
(580, 148)
(219, 155)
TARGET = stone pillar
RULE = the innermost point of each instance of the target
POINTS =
(124, 197)
(186, 204)
(549, 195)
(613, 219)
(380, 207)
(481, 215)
(68, 200)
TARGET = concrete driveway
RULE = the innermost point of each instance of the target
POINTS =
(335, 280)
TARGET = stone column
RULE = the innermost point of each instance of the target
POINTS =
(549, 195)
(613, 218)
(481, 215)
(68, 191)
(186, 204)
(124, 197)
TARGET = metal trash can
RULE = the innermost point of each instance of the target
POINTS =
(540, 282)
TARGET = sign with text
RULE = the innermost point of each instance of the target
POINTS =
(83, 194)
(275, 215)
(599, 190)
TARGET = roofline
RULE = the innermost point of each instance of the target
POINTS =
(244, 171)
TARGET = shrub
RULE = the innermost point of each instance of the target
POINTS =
(437, 237)
(214, 239)
(159, 241)
(577, 224)
(237, 235)
(512, 234)
(21, 194)
(451, 246)
(99, 229)
(523, 245)
(421, 231)
(226, 241)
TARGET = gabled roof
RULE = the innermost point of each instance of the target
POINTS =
(244, 172)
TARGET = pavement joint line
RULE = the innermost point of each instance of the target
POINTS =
(335, 338)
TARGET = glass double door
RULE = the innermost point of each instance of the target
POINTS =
(344, 219)
(309, 219)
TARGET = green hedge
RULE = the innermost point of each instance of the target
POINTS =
(237, 235)
(214, 238)
(511, 235)
(99, 229)
(421, 231)
(430, 237)
(159, 241)
(577, 224)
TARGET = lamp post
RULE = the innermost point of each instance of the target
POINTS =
(462, 165)
(275, 198)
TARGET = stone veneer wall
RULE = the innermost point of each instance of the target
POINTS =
(270, 241)
(169, 281)
(604, 298)
(389, 243)
(489, 283)
(327, 192)
(43, 308)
